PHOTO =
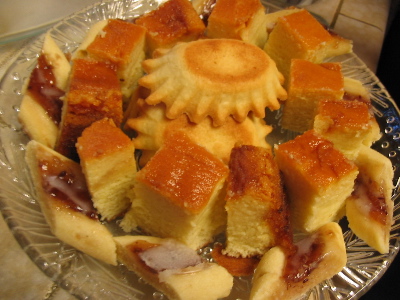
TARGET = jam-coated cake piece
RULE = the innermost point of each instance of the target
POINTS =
(173, 268)
(40, 110)
(66, 203)
(289, 275)
(369, 209)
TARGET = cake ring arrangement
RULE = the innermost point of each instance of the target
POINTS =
(199, 150)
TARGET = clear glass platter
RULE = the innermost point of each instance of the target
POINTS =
(87, 278)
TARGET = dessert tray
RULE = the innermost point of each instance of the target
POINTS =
(86, 277)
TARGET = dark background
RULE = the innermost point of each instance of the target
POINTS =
(388, 71)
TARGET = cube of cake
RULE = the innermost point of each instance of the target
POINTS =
(238, 19)
(300, 35)
(348, 124)
(40, 110)
(172, 22)
(118, 42)
(318, 180)
(88, 99)
(319, 257)
(369, 210)
(173, 268)
(257, 214)
(308, 84)
(179, 194)
(66, 203)
(108, 162)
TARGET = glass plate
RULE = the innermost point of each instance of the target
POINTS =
(88, 278)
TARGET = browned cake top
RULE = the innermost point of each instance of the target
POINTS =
(346, 115)
(309, 77)
(226, 62)
(94, 94)
(234, 13)
(92, 77)
(306, 29)
(103, 138)
(316, 158)
(183, 172)
(117, 41)
(171, 21)
(254, 171)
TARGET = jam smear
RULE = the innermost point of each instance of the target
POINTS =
(236, 266)
(68, 185)
(301, 263)
(370, 192)
(42, 86)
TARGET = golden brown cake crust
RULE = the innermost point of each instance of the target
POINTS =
(90, 98)
(212, 62)
(182, 179)
(319, 161)
(254, 173)
(346, 115)
(174, 21)
(116, 41)
(95, 141)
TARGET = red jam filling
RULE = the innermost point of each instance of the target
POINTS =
(67, 185)
(42, 86)
(301, 263)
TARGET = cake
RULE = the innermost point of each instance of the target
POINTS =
(272, 17)
(179, 194)
(172, 268)
(318, 179)
(319, 257)
(107, 159)
(120, 43)
(257, 212)
(213, 77)
(348, 124)
(151, 126)
(300, 35)
(172, 22)
(309, 84)
(369, 209)
(40, 110)
(88, 99)
(238, 19)
(66, 204)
